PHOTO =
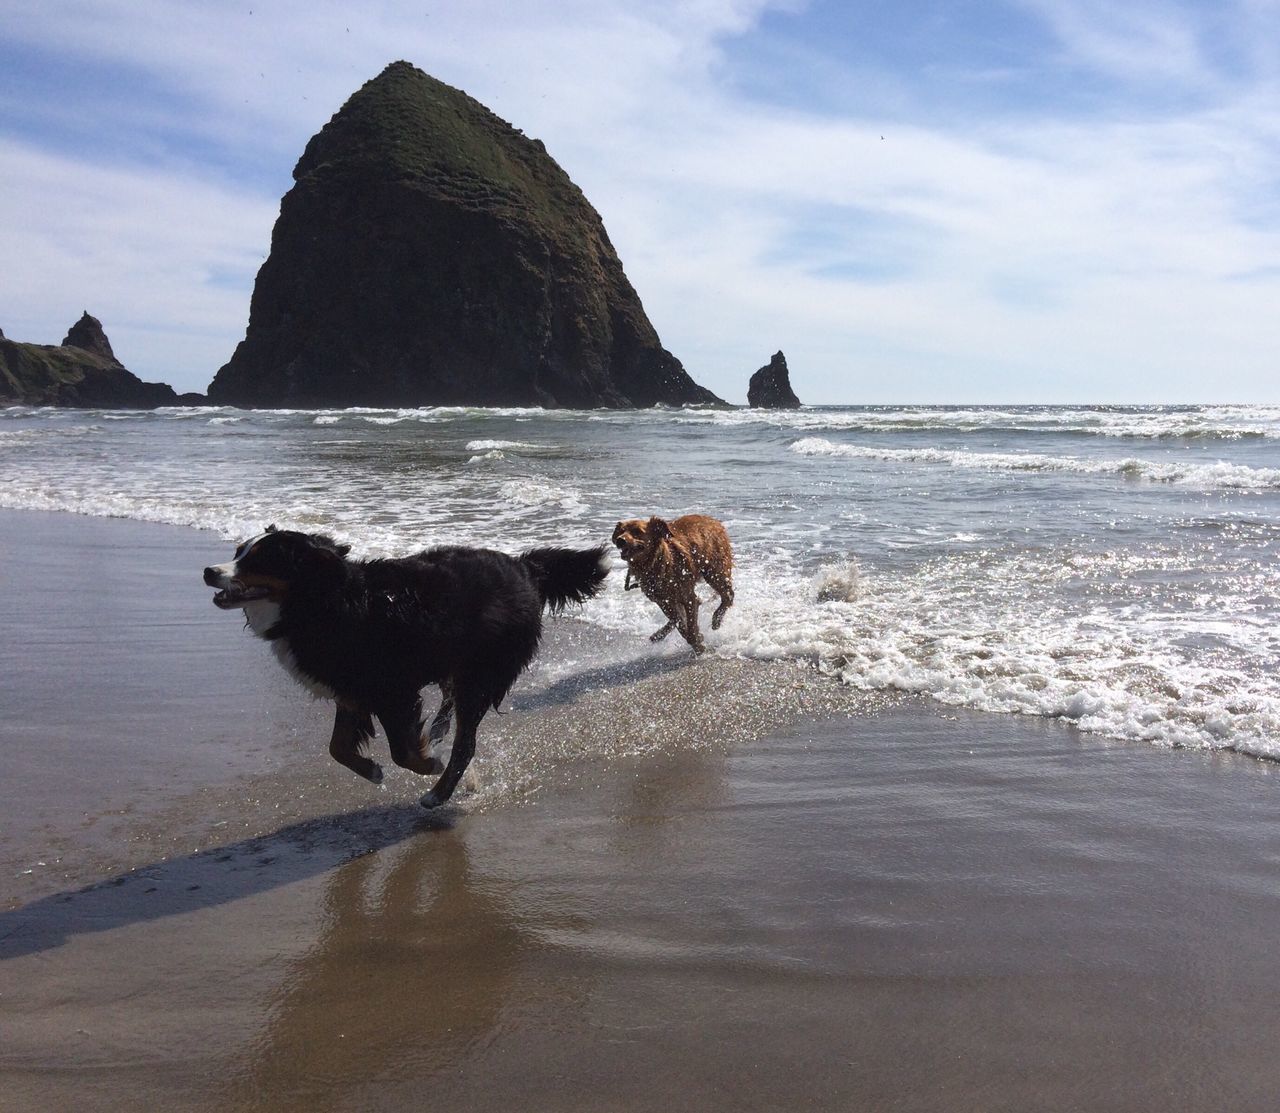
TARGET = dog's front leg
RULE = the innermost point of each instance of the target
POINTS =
(662, 631)
(675, 618)
(687, 613)
(352, 731)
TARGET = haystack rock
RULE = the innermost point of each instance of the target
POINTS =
(429, 253)
(82, 371)
(770, 387)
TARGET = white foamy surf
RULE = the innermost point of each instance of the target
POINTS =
(1217, 474)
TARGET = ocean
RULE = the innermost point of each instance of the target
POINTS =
(1114, 566)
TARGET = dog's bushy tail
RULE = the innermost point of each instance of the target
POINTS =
(565, 576)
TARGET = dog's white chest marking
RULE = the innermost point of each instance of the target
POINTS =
(261, 616)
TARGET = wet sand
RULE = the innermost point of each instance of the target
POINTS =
(693, 885)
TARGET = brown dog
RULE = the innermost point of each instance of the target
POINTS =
(666, 560)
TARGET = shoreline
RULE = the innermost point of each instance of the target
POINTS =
(714, 884)
(136, 711)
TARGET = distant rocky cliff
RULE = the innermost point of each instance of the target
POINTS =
(770, 387)
(83, 371)
(429, 253)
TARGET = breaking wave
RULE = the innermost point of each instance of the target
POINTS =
(1218, 475)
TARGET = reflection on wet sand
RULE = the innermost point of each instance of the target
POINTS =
(417, 961)
(206, 879)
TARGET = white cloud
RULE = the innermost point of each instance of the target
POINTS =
(1131, 41)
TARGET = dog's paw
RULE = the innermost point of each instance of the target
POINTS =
(375, 775)
(430, 800)
(434, 766)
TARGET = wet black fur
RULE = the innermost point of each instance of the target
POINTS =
(377, 632)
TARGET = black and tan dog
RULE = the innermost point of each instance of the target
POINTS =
(667, 559)
(370, 635)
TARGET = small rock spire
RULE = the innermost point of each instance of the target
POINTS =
(770, 387)
(87, 335)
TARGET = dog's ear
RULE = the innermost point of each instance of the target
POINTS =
(324, 541)
(270, 529)
(658, 529)
(314, 551)
(324, 544)
(617, 531)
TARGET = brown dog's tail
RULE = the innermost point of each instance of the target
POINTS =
(564, 576)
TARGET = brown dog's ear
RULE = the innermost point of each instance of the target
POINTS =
(617, 530)
(658, 528)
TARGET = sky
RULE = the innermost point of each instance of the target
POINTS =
(1031, 201)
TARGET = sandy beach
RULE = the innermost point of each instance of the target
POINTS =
(679, 884)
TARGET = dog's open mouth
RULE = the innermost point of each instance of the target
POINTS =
(237, 594)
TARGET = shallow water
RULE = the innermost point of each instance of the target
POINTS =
(1111, 566)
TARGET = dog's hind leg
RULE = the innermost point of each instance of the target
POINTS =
(402, 721)
(722, 584)
(440, 724)
(352, 731)
(471, 709)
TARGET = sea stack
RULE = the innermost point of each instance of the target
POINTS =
(431, 254)
(770, 387)
(82, 371)
(87, 334)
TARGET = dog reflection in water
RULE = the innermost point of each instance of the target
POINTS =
(370, 635)
(666, 560)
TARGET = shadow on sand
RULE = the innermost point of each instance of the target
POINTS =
(212, 877)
